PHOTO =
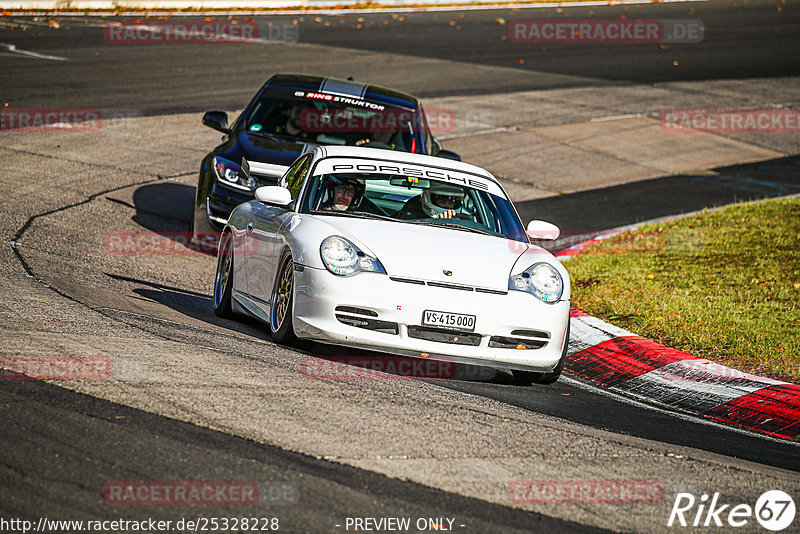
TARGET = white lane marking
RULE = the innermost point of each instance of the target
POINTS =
(479, 132)
(684, 386)
(617, 117)
(695, 385)
(605, 327)
(702, 370)
(625, 399)
(590, 331)
(13, 48)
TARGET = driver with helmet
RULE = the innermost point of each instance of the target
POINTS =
(293, 126)
(441, 201)
(343, 194)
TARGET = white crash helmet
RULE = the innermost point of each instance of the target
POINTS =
(440, 197)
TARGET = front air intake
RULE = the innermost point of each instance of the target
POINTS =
(385, 327)
(502, 342)
(359, 311)
(440, 335)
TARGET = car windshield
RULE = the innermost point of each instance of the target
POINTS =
(412, 200)
(339, 121)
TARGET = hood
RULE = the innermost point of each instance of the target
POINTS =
(269, 150)
(425, 252)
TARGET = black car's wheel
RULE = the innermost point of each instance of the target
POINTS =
(529, 377)
(282, 300)
(223, 281)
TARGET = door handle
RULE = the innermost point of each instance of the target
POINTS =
(249, 227)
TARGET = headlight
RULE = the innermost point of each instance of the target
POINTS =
(228, 174)
(342, 257)
(540, 280)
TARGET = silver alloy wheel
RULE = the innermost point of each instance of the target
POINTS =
(223, 269)
(283, 294)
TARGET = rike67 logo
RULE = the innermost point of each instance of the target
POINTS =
(774, 510)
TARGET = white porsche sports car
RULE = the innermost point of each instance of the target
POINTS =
(401, 253)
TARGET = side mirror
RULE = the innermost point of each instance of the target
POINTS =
(274, 195)
(542, 230)
(448, 154)
(217, 120)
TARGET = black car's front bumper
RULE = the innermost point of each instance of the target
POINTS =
(211, 212)
(214, 203)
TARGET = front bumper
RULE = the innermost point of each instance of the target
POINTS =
(221, 202)
(389, 314)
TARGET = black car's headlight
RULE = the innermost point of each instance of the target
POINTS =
(342, 257)
(228, 174)
(540, 280)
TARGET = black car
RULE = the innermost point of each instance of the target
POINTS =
(289, 115)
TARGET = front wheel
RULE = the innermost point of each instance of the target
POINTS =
(280, 323)
(530, 377)
(223, 281)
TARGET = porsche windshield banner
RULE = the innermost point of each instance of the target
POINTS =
(348, 165)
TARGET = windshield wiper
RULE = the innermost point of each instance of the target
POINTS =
(357, 214)
(368, 215)
(457, 226)
(276, 137)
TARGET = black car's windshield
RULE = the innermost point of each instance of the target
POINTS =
(412, 200)
(333, 120)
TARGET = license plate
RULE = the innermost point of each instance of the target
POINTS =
(454, 321)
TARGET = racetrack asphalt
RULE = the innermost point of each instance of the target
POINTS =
(421, 53)
(613, 207)
(61, 251)
(81, 443)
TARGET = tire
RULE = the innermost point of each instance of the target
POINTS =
(280, 322)
(223, 280)
(191, 232)
(527, 378)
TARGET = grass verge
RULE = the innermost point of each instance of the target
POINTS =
(722, 285)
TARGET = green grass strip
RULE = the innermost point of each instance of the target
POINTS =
(722, 285)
